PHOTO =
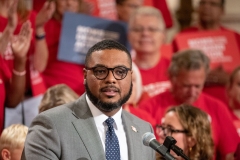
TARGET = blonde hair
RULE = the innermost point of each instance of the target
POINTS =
(57, 95)
(22, 11)
(13, 137)
(147, 11)
(198, 126)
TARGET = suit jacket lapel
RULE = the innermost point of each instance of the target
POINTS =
(133, 137)
(87, 130)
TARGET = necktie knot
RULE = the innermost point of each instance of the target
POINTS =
(109, 121)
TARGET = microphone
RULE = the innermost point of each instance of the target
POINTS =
(169, 143)
(150, 140)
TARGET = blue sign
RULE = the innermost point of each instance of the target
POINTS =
(80, 32)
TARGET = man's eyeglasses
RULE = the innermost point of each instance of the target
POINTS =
(167, 131)
(101, 72)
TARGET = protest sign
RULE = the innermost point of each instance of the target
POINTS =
(220, 46)
(80, 32)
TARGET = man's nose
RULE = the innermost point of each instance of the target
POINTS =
(193, 90)
(110, 77)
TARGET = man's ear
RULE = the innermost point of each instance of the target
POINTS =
(85, 73)
(6, 155)
(191, 142)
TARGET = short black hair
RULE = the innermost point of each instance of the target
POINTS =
(107, 44)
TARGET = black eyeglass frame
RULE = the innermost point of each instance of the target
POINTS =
(111, 69)
(171, 130)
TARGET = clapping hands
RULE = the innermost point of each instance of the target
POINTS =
(20, 45)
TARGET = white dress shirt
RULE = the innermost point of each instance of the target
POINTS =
(100, 119)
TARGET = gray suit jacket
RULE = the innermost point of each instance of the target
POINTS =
(69, 132)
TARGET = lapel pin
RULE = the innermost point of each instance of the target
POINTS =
(134, 129)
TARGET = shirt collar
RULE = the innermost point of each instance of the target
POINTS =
(100, 117)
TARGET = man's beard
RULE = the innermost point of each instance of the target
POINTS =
(105, 106)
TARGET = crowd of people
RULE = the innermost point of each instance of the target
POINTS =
(117, 95)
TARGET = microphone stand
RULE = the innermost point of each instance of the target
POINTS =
(169, 143)
(162, 149)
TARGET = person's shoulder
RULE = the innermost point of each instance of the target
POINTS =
(213, 102)
(134, 118)
(209, 98)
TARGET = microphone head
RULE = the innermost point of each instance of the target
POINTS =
(147, 138)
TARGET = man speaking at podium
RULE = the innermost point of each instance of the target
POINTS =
(95, 126)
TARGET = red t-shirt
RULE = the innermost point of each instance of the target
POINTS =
(224, 133)
(58, 72)
(215, 91)
(196, 29)
(155, 80)
(104, 8)
(5, 75)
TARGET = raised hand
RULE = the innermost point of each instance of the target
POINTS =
(7, 34)
(45, 13)
(21, 44)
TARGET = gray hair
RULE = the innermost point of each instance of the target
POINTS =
(189, 59)
(147, 11)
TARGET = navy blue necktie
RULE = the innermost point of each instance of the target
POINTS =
(111, 143)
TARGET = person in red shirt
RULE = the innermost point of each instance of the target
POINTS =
(58, 72)
(146, 40)
(210, 13)
(137, 97)
(187, 73)
(12, 82)
(37, 53)
(21, 15)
